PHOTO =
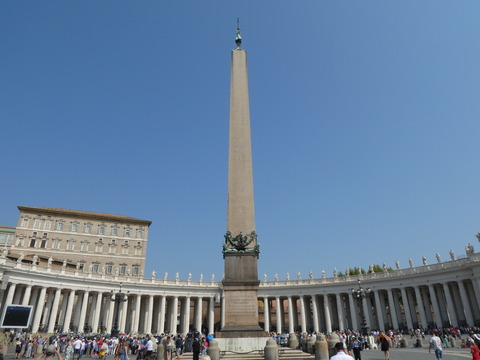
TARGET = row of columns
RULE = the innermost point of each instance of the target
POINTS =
(435, 305)
(56, 309)
(451, 303)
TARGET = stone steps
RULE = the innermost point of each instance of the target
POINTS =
(284, 354)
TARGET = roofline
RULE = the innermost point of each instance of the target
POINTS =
(84, 214)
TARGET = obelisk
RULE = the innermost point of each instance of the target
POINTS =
(240, 250)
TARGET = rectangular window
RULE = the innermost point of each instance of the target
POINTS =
(98, 248)
(32, 242)
(19, 241)
(70, 245)
(123, 269)
(84, 246)
(127, 232)
(10, 239)
(140, 234)
(24, 222)
(101, 230)
(112, 250)
(138, 252)
(59, 226)
(74, 227)
(43, 243)
(114, 231)
(88, 229)
(47, 225)
(95, 268)
(124, 250)
(36, 224)
(109, 269)
(135, 270)
(56, 244)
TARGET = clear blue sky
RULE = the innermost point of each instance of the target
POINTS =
(365, 124)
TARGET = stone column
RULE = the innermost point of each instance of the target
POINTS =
(353, 313)
(421, 308)
(278, 312)
(340, 310)
(393, 311)
(173, 324)
(68, 314)
(48, 308)
(136, 313)
(17, 297)
(96, 316)
(53, 313)
(291, 327)
(406, 308)
(198, 314)
(266, 314)
(10, 294)
(123, 313)
(379, 311)
(465, 303)
(110, 314)
(302, 314)
(161, 315)
(450, 306)
(186, 316)
(328, 318)
(222, 316)
(149, 315)
(83, 311)
(33, 297)
(366, 313)
(436, 308)
(39, 310)
(316, 327)
(211, 315)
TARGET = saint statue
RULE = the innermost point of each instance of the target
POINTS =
(264, 277)
(310, 275)
(424, 261)
(154, 274)
(276, 277)
(397, 264)
(189, 276)
(288, 276)
(299, 276)
(165, 275)
(439, 260)
(334, 272)
(452, 255)
(323, 274)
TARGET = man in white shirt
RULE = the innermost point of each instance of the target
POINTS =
(340, 355)
(436, 345)
(149, 347)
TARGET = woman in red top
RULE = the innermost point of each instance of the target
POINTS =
(475, 350)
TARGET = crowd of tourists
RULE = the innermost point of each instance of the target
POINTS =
(76, 347)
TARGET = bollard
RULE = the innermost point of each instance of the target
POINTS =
(321, 348)
(334, 338)
(271, 350)
(452, 342)
(161, 351)
(205, 357)
(419, 343)
(311, 345)
(213, 350)
(293, 341)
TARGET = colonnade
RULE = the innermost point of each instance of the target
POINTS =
(440, 295)
(58, 309)
(452, 303)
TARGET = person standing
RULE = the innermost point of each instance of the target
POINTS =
(357, 348)
(384, 341)
(436, 345)
(340, 353)
(196, 349)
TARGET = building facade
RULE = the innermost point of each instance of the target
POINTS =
(440, 295)
(82, 240)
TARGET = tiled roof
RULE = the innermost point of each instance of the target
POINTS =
(82, 213)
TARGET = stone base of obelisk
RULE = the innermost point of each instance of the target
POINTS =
(242, 344)
(241, 331)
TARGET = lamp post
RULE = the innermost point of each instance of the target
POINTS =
(360, 294)
(118, 298)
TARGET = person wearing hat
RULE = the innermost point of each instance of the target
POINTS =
(50, 353)
(340, 353)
